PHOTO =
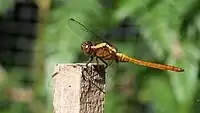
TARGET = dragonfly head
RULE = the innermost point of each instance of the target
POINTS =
(86, 47)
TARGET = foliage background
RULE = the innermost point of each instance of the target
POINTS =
(162, 31)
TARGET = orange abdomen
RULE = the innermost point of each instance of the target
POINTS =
(124, 58)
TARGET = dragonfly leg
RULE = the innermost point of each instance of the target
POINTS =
(90, 59)
(104, 62)
(97, 64)
(90, 73)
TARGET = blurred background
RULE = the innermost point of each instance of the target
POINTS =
(35, 35)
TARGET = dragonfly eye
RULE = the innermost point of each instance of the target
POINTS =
(86, 46)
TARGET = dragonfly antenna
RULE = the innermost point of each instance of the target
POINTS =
(88, 30)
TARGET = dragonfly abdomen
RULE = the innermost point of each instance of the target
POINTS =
(124, 58)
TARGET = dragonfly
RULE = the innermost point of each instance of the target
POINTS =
(105, 51)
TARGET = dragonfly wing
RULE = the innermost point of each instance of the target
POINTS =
(76, 28)
(83, 30)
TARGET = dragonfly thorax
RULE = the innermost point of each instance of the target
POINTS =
(86, 47)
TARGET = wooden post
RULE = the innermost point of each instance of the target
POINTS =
(78, 90)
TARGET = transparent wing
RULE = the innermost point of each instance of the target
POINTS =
(81, 29)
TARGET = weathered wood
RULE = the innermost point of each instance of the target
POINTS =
(76, 90)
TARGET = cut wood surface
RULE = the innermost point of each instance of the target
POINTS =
(77, 89)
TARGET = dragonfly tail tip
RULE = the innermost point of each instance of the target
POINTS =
(180, 70)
